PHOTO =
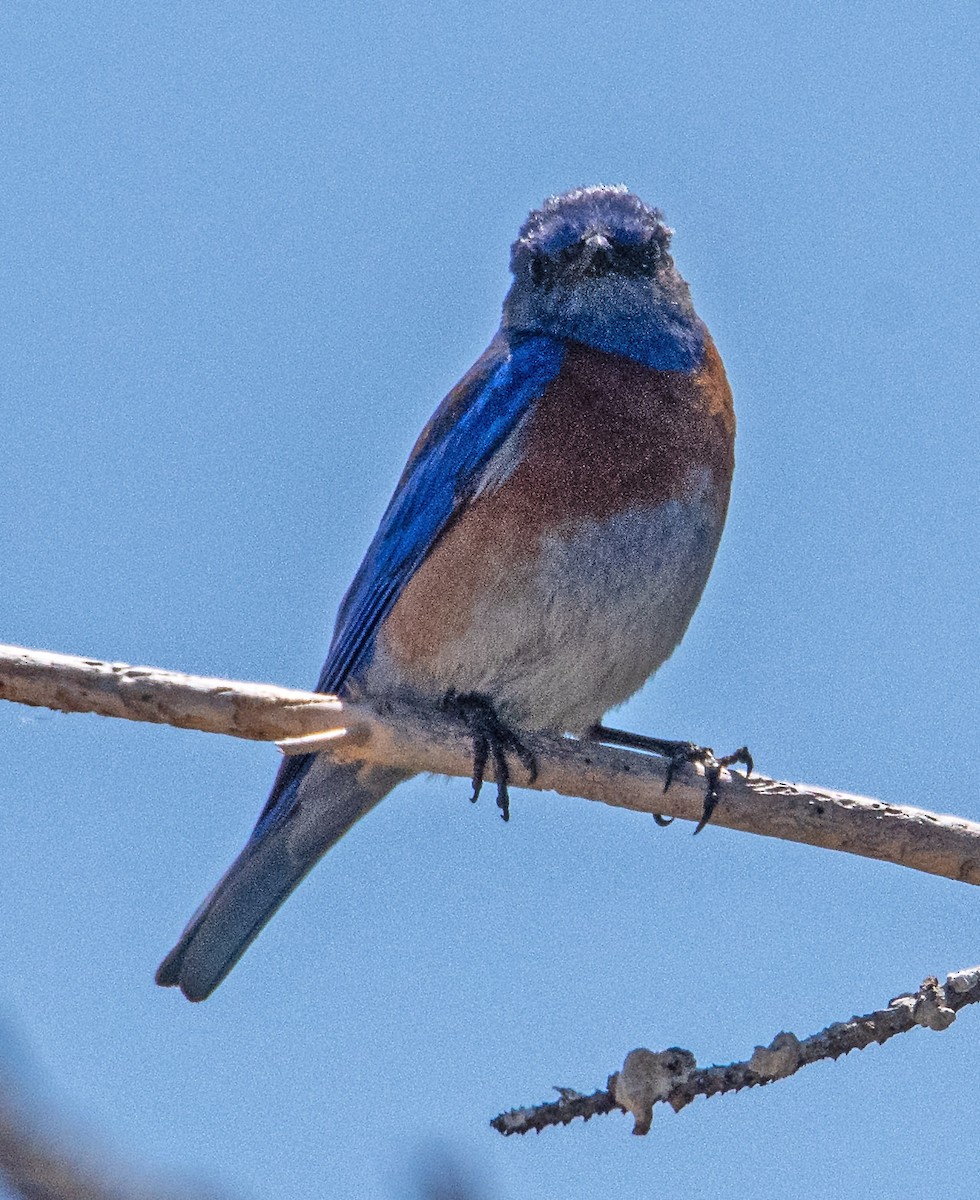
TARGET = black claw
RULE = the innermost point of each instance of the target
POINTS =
(491, 739)
(661, 820)
(741, 755)
(502, 772)
(712, 773)
(678, 754)
(683, 753)
(481, 753)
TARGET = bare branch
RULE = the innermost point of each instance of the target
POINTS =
(673, 1077)
(88, 685)
(415, 740)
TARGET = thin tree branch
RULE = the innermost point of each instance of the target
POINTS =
(673, 1077)
(415, 740)
(111, 689)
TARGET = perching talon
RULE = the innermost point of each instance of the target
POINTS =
(679, 754)
(492, 738)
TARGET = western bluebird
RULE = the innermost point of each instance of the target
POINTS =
(545, 547)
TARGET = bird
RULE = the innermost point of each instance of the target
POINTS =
(544, 549)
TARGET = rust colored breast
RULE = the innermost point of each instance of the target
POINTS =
(608, 436)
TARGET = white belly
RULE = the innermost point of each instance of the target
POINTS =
(578, 627)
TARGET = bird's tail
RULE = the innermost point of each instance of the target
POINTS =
(313, 804)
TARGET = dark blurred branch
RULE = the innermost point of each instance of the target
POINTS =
(39, 1166)
(673, 1077)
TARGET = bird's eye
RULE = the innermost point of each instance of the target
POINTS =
(536, 269)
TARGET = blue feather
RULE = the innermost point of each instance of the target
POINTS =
(440, 480)
(449, 459)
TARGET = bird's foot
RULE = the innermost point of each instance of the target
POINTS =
(492, 739)
(678, 754)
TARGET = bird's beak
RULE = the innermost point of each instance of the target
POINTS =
(596, 251)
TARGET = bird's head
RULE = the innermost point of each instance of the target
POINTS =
(594, 266)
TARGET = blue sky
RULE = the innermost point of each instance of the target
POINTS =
(245, 252)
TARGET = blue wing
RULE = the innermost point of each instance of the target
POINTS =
(438, 482)
(442, 473)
